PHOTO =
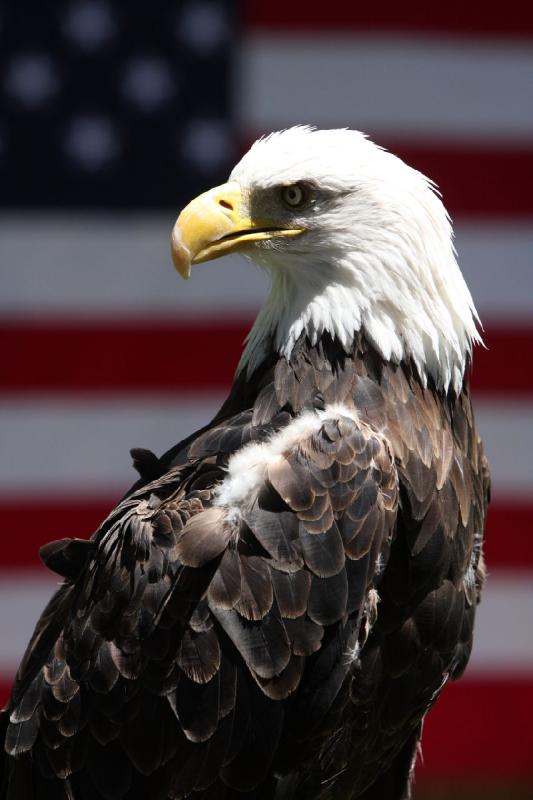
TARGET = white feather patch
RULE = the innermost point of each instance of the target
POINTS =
(247, 468)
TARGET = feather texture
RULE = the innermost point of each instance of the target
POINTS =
(292, 636)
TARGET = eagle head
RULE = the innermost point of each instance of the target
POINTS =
(354, 240)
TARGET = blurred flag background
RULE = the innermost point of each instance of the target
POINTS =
(114, 114)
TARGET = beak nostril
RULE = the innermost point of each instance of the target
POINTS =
(225, 204)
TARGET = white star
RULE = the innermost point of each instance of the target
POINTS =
(147, 83)
(31, 78)
(207, 143)
(89, 23)
(203, 26)
(92, 141)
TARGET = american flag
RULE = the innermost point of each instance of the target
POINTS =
(114, 114)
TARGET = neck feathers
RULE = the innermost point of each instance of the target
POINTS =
(425, 316)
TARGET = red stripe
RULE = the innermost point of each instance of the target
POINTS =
(478, 730)
(501, 367)
(477, 180)
(5, 688)
(164, 356)
(126, 356)
(508, 537)
(29, 523)
(417, 15)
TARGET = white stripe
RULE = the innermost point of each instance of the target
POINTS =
(503, 635)
(91, 267)
(23, 596)
(448, 88)
(507, 431)
(80, 446)
(497, 262)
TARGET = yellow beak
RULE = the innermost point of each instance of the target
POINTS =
(217, 223)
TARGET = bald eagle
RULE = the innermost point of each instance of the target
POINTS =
(276, 604)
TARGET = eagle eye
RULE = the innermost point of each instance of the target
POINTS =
(295, 196)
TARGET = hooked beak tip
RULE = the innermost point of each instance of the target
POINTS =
(181, 257)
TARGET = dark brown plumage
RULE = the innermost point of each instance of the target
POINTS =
(289, 652)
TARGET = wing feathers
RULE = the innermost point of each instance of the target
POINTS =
(204, 537)
(192, 625)
(264, 646)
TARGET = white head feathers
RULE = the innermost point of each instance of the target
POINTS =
(376, 255)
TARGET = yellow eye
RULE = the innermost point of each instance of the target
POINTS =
(294, 196)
